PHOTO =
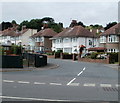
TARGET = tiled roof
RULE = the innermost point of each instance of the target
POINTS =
(76, 31)
(12, 32)
(45, 33)
(113, 30)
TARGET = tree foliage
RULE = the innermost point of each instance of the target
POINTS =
(5, 25)
(39, 23)
(109, 25)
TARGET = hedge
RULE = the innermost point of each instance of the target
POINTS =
(113, 57)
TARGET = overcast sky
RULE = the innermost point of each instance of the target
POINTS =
(87, 12)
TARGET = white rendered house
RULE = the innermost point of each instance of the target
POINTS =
(70, 40)
(12, 36)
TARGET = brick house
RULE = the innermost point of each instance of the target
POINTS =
(110, 38)
(42, 41)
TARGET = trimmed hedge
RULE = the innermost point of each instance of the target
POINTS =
(113, 57)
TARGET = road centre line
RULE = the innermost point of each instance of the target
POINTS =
(38, 83)
(105, 85)
(8, 81)
(24, 82)
(80, 73)
(84, 68)
(89, 85)
(117, 85)
(74, 84)
(71, 81)
(55, 84)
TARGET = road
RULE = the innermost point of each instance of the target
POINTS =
(71, 81)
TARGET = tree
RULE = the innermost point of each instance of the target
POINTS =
(56, 27)
(47, 19)
(110, 25)
(13, 22)
(81, 24)
(5, 25)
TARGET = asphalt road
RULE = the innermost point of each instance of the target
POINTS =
(71, 82)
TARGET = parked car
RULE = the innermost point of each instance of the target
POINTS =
(41, 52)
(102, 56)
(85, 54)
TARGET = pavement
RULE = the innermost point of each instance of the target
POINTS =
(48, 66)
(113, 66)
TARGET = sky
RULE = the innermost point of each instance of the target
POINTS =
(88, 12)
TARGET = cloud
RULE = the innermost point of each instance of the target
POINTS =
(87, 12)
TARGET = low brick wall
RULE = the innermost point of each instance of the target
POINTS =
(51, 56)
(105, 61)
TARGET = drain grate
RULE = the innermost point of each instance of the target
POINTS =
(108, 89)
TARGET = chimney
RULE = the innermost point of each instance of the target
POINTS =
(73, 23)
(45, 25)
(23, 27)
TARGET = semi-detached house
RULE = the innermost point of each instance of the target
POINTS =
(12, 36)
(70, 40)
(42, 40)
(110, 38)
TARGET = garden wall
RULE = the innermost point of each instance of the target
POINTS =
(12, 61)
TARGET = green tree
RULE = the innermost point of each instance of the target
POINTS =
(109, 25)
(5, 25)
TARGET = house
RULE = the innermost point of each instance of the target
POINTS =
(12, 36)
(70, 40)
(110, 38)
(42, 40)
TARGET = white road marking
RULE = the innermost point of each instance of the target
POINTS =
(38, 83)
(55, 84)
(117, 85)
(71, 81)
(89, 85)
(105, 85)
(84, 68)
(80, 73)
(74, 84)
(24, 82)
(8, 81)
(37, 99)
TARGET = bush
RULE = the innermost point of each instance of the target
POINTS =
(59, 51)
(94, 55)
(16, 49)
(113, 57)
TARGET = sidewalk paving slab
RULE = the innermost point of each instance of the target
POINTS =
(48, 66)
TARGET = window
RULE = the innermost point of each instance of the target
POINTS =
(90, 42)
(67, 40)
(112, 38)
(112, 50)
(102, 39)
(68, 50)
(74, 39)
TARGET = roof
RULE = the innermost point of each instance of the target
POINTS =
(76, 31)
(96, 48)
(45, 33)
(12, 32)
(113, 30)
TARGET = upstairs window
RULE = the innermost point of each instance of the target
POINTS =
(102, 39)
(112, 38)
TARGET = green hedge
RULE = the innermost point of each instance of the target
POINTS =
(113, 57)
